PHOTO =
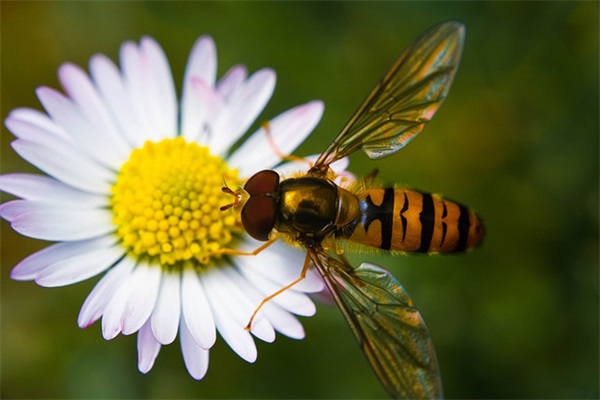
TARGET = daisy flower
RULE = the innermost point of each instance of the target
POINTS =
(133, 191)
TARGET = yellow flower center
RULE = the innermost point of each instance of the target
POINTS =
(166, 200)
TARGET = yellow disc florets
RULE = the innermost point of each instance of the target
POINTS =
(166, 200)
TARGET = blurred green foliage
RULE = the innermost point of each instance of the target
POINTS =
(517, 140)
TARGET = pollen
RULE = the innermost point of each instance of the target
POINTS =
(165, 203)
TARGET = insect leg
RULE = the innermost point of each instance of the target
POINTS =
(286, 157)
(234, 252)
(283, 289)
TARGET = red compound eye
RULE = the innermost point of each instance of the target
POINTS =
(260, 211)
(258, 216)
(262, 182)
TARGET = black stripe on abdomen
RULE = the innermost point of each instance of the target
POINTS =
(444, 225)
(463, 228)
(402, 217)
(383, 212)
(427, 220)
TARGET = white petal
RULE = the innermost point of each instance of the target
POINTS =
(35, 132)
(56, 155)
(194, 356)
(79, 268)
(324, 297)
(12, 209)
(70, 117)
(340, 165)
(209, 106)
(290, 300)
(111, 319)
(79, 87)
(280, 319)
(198, 315)
(111, 86)
(284, 322)
(245, 104)
(142, 298)
(66, 165)
(203, 61)
(161, 91)
(99, 297)
(167, 312)
(147, 347)
(232, 332)
(137, 78)
(201, 67)
(281, 264)
(41, 121)
(232, 80)
(29, 267)
(287, 130)
(241, 305)
(64, 225)
(39, 187)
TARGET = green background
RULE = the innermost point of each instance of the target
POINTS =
(517, 140)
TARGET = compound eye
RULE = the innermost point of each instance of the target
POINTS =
(258, 216)
(266, 181)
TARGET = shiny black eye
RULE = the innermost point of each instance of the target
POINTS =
(260, 211)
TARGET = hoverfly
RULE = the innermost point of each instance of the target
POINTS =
(315, 213)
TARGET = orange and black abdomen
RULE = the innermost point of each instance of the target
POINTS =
(406, 220)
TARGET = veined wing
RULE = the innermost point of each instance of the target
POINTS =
(388, 327)
(398, 108)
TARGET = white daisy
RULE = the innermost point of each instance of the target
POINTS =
(134, 190)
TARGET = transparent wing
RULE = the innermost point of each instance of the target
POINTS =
(398, 108)
(388, 327)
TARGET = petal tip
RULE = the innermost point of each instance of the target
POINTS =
(317, 105)
(83, 324)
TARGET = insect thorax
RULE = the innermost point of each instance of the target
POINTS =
(307, 206)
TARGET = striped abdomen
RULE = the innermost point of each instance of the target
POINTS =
(407, 220)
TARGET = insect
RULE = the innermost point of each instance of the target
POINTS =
(313, 212)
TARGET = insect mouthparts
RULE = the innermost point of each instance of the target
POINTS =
(240, 196)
